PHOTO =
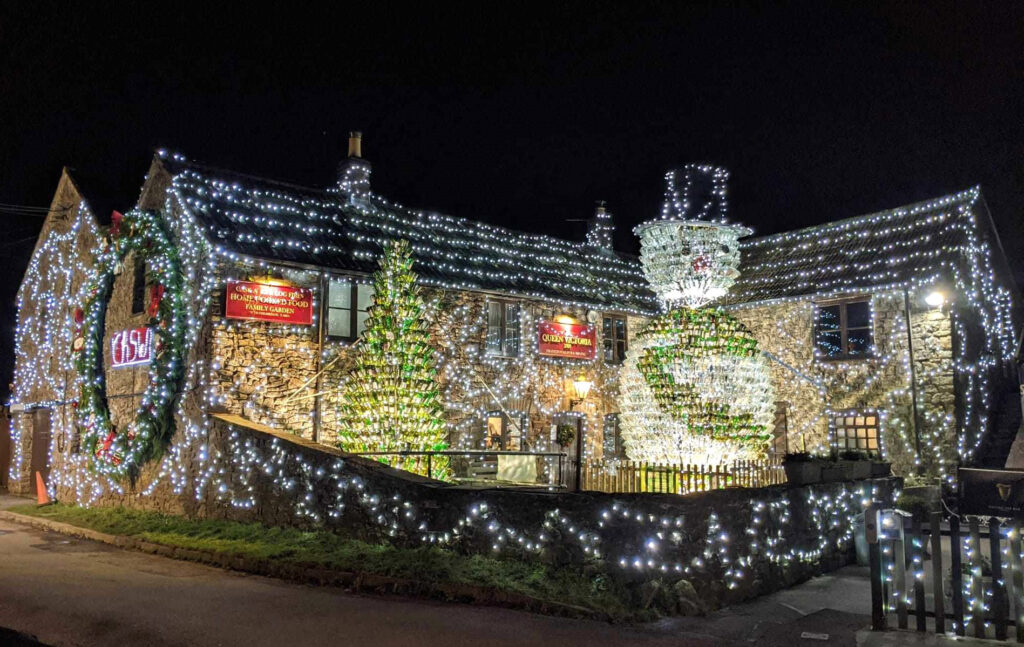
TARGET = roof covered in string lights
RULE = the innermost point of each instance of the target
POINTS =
(899, 246)
(266, 219)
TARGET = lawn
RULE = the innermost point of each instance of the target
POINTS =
(324, 549)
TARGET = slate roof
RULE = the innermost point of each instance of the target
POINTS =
(277, 221)
(273, 220)
(892, 247)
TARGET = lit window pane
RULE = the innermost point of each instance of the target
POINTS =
(339, 294)
(361, 322)
(339, 322)
(364, 297)
(511, 329)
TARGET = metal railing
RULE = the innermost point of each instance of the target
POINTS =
(478, 465)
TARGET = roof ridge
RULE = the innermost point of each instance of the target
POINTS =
(930, 204)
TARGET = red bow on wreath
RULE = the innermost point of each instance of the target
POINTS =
(115, 223)
(156, 295)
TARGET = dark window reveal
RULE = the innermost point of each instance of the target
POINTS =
(614, 335)
(844, 331)
(139, 287)
(502, 328)
(612, 440)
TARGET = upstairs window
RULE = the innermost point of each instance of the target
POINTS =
(348, 304)
(139, 287)
(502, 328)
(844, 330)
(614, 336)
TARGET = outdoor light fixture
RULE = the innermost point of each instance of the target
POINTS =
(935, 299)
(582, 387)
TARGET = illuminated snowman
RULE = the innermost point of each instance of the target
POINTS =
(695, 386)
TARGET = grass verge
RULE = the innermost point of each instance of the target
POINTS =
(327, 550)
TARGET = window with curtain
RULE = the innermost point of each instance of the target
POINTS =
(614, 335)
(502, 328)
(348, 304)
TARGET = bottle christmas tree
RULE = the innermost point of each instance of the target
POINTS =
(390, 401)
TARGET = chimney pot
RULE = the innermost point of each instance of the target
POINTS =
(355, 144)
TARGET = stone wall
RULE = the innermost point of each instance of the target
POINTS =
(728, 545)
(43, 371)
(812, 388)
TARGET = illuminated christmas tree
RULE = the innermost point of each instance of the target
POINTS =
(391, 401)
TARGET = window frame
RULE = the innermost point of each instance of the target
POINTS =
(833, 429)
(611, 343)
(353, 309)
(503, 336)
(614, 420)
(844, 329)
(508, 432)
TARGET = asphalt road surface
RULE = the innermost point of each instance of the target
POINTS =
(68, 591)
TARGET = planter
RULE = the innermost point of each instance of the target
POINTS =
(857, 470)
(802, 472)
(880, 468)
(833, 472)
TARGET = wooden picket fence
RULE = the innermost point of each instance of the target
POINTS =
(641, 476)
(960, 576)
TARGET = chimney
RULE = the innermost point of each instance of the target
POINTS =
(600, 228)
(354, 171)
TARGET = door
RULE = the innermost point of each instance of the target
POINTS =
(5, 449)
(40, 446)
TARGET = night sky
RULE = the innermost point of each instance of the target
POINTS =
(523, 118)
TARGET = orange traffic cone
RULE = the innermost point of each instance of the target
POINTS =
(42, 496)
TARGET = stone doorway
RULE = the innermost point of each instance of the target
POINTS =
(41, 434)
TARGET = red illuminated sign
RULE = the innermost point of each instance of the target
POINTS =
(130, 347)
(571, 340)
(266, 302)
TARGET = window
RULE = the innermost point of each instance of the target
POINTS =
(502, 433)
(843, 330)
(856, 430)
(502, 328)
(139, 287)
(347, 306)
(780, 430)
(611, 441)
(614, 335)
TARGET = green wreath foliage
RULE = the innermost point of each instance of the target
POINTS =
(121, 453)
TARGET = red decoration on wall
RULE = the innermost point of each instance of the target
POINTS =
(571, 340)
(268, 302)
(156, 295)
(115, 223)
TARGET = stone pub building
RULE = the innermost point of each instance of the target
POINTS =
(891, 333)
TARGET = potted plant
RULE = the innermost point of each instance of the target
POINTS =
(801, 468)
(856, 464)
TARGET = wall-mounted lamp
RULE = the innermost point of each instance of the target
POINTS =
(935, 298)
(582, 387)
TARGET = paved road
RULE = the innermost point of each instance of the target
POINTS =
(68, 591)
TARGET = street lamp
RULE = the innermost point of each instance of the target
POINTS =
(581, 385)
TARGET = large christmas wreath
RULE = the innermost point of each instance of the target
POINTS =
(121, 452)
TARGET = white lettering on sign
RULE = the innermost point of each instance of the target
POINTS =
(130, 347)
